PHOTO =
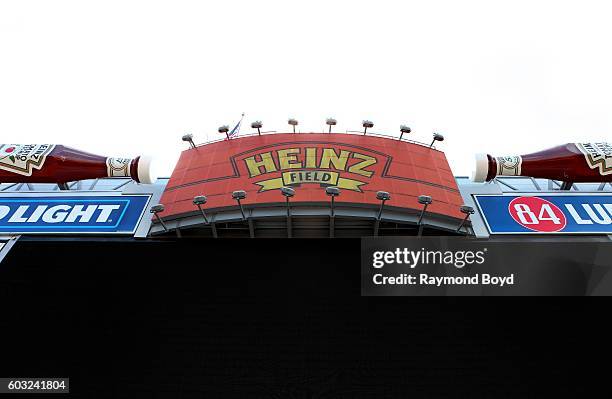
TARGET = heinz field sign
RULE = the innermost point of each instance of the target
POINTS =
(547, 214)
(359, 165)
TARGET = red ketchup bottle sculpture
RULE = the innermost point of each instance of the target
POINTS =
(50, 163)
(570, 163)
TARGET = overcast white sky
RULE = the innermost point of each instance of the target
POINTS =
(129, 77)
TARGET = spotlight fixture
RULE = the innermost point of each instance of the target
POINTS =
(199, 201)
(287, 192)
(332, 191)
(331, 122)
(293, 122)
(257, 125)
(424, 200)
(189, 139)
(366, 125)
(155, 210)
(404, 129)
(238, 196)
(224, 129)
(467, 210)
(436, 137)
(383, 197)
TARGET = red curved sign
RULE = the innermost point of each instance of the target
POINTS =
(308, 162)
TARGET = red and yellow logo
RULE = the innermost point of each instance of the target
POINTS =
(347, 168)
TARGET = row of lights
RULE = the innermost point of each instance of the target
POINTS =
(332, 192)
(330, 122)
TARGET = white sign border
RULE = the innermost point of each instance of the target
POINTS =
(75, 193)
(539, 194)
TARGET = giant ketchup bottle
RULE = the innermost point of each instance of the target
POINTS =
(572, 163)
(50, 163)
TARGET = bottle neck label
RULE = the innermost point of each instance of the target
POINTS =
(509, 166)
(22, 159)
(598, 156)
(118, 167)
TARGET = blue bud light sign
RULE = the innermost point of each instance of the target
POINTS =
(87, 214)
(546, 214)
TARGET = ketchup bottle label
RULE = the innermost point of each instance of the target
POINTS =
(509, 166)
(118, 167)
(598, 156)
(22, 159)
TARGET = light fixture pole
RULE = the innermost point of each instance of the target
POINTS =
(257, 125)
(331, 122)
(332, 192)
(224, 129)
(238, 196)
(404, 129)
(155, 210)
(383, 197)
(467, 210)
(367, 124)
(189, 139)
(436, 137)
(424, 200)
(199, 201)
(293, 122)
(288, 192)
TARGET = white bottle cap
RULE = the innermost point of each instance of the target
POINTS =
(479, 175)
(145, 171)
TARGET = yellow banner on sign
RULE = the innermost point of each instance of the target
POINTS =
(311, 176)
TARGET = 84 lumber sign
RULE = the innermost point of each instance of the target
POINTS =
(547, 214)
